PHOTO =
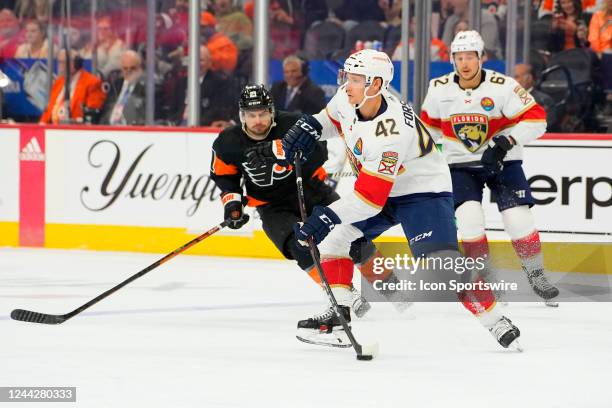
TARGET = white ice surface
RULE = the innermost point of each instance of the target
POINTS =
(219, 332)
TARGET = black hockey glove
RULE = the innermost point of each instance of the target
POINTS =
(233, 210)
(302, 136)
(318, 225)
(493, 157)
(266, 152)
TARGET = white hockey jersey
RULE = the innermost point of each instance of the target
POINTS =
(464, 120)
(392, 155)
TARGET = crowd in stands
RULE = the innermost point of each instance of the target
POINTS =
(563, 33)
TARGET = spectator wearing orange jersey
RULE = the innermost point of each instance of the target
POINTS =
(85, 91)
(234, 23)
(547, 7)
(223, 52)
(600, 29)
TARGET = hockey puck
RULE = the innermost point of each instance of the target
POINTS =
(364, 357)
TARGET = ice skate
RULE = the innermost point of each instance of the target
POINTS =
(360, 305)
(325, 329)
(542, 287)
(506, 333)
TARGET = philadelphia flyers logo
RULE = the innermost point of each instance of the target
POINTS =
(265, 176)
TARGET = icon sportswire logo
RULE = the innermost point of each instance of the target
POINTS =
(32, 151)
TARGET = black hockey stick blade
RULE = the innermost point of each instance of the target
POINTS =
(35, 317)
(43, 318)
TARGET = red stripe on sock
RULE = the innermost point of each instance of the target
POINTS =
(338, 271)
(477, 248)
(529, 246)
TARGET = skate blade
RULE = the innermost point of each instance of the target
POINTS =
(336, 339)
(551, 303)
(516, 346)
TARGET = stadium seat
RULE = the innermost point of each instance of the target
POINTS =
(569, 79)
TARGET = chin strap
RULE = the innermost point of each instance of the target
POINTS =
(366, 97)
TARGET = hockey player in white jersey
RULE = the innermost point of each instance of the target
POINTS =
(401, 179)
(482, 118)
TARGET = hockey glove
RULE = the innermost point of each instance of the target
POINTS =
(302, 136)
(318, 225)
(233, 210)
(493, 157)
(266, 152)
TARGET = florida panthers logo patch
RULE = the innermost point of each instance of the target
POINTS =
(388, 162)
(470, 129)
(266, 176)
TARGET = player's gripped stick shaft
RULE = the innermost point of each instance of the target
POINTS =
(363, 352)
(35, 317)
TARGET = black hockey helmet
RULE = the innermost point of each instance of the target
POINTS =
(255, 96)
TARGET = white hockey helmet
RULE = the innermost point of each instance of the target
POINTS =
(467, 41)
(371, 64)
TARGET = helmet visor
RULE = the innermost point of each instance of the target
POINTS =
(348, 77)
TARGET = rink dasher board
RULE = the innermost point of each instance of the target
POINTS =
(148, 189)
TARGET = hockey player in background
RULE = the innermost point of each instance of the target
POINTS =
(271, 187)
(401, 179)
(482, 118)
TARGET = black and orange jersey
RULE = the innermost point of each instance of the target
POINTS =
(266, 184)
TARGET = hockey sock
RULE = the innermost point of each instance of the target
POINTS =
(339, 275)
(314, 275)
(520, 225)
(529, 250)
(476, 247)
(478, 301)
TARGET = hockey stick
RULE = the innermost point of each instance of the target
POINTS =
(35, 317)
(363, 353)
